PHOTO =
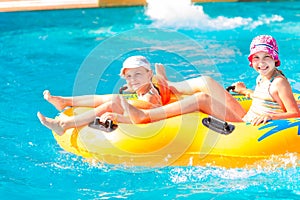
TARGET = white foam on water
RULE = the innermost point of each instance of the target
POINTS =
(184, 14)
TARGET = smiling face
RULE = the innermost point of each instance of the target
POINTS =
(138, 78)
(264, 64)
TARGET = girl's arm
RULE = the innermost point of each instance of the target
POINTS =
(286, 99)
(282, 94)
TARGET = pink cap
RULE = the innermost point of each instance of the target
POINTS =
(135, 62)
(264, 43)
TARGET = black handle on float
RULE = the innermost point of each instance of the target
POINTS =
(218, 125)
(110, 124)
(106, 126)
(230, 88)
(122, 89)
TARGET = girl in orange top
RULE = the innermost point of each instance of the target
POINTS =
(138, 75)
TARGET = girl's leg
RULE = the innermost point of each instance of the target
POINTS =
(60, 124)
(197, 102)
(60, 102)
(187, 87)
(212, 88)
(203, 84)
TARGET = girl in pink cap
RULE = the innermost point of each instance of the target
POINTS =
(138, 75)
(272, 97)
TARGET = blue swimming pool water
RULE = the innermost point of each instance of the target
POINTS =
(57, 50)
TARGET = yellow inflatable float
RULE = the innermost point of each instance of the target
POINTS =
(194, 139)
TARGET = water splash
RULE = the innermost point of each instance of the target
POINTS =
(183, 14)
(272, 174)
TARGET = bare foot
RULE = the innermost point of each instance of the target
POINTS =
(57, 101)
(136, 116)
(53, 124)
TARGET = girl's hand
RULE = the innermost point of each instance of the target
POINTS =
(109, 116)
(263, 119)
(239, 87)
(242, 89)
(115, 117)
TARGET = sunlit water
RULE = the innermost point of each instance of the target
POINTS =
(49, 49)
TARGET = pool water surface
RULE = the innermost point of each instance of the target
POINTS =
(54, 50)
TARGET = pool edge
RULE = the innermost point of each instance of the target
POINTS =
(29, 5)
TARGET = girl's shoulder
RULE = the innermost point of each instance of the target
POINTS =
(279, 76)
(280, 81)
